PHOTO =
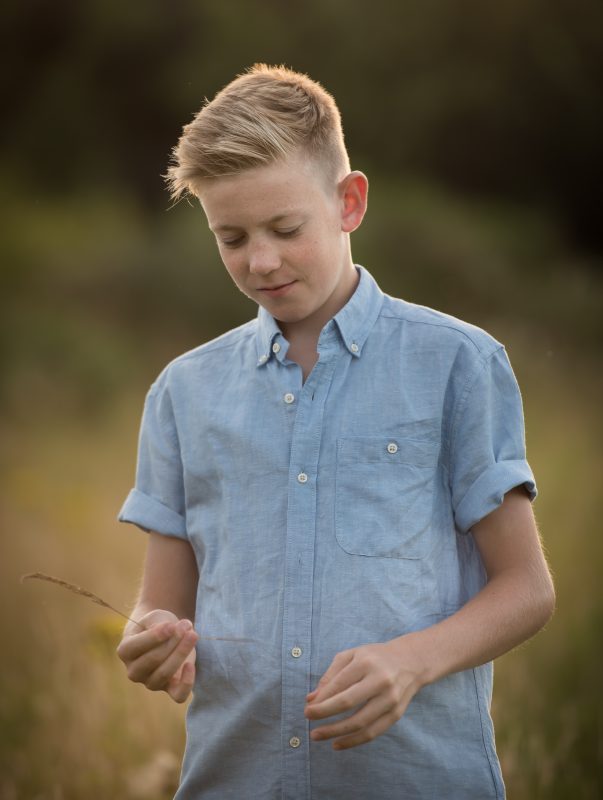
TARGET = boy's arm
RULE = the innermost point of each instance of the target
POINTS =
(170, 577)
(382, 678)
(163, 656)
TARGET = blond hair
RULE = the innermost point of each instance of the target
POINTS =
(264, 115)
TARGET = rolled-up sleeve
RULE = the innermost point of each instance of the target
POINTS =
(487, 453)
(157, 501)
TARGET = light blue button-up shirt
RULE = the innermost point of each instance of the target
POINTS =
(326, 515)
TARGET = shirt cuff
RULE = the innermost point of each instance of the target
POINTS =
(488, 491)
(152, 515)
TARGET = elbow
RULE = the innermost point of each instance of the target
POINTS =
(544, 602)
(551, 600)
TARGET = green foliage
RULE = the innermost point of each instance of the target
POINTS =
(479, 127)
(495, 99)
(97, 294)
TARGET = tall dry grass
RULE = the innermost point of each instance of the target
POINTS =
(73, 727)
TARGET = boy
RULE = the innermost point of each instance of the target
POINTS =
(337, 496)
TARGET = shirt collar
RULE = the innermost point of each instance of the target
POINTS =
(354, 321)
(267, 336)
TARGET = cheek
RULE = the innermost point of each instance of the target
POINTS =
(232, 264)
(312, 251)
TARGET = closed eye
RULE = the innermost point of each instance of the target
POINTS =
(232, 243)
(237, 241)
(288, 234)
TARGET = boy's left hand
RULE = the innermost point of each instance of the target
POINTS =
(379, 680)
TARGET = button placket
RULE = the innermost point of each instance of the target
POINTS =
(307, 433)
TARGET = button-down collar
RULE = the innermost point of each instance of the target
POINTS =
(267, 334)
(354, 321)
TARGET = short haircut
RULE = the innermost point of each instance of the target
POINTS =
(264, 115)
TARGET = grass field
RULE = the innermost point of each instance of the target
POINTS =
(73, 727)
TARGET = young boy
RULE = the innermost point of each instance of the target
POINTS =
(337, 496)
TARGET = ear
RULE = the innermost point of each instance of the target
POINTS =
(353, 191)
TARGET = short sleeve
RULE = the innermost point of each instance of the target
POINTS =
(487, 448)
(157, 501)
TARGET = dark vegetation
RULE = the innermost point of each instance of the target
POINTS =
(479, 126)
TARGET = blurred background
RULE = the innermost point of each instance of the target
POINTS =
(480, 127)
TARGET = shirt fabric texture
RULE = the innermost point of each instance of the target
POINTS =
(326, 515)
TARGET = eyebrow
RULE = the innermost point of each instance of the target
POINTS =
(271, 221)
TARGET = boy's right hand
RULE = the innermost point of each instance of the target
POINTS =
(162, 657)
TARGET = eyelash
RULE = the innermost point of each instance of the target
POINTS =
(234, 243)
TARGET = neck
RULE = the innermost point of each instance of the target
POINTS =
(307, 331)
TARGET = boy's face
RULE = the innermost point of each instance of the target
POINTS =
(282, 235)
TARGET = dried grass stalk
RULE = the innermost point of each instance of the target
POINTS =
(71, 587)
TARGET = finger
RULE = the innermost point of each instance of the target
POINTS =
(368, 723)
(349, 676)
(363, 718)
(180, 688)
(345, 700)
(161, 676)
(340, 661)
(367, 734)
(191, 658)
(137, 644)
(141, 668)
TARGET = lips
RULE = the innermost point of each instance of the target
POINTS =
(277, 290)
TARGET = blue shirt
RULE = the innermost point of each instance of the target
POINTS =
(326, 515)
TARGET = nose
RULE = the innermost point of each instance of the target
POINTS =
(263, 258)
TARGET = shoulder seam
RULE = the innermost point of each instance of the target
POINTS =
(454, 328)
(216, 344)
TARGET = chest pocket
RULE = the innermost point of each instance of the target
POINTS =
(384, 488)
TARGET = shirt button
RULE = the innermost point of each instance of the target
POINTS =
(354, 347)
(302, 477)
(289, 398)
(263, 358)
(296, 652)
(294, 741)
(276, 347)
(392, 447)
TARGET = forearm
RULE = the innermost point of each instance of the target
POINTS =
(170, 578)
(511, 608)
